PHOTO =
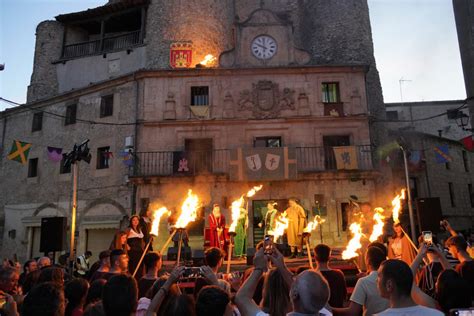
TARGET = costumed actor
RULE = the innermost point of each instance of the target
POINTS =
(137, 245)
(296, 223)
(217, 227)
(240, 239)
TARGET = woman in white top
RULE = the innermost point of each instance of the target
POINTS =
(136, 243)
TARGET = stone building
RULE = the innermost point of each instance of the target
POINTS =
(290, 81)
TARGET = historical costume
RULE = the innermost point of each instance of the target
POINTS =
(240, 239)
(145, 226)
(399, 246)
(296, 223)
(270, 218)
(217, 228)
(136, 243)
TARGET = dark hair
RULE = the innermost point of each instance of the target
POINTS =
(457, 241)
(400, 273)
(75, 292)
(94, 309)
(116, 244)
(211, 301)
(6, 273)
(31, 280)
(151, 259)
(130, 223)
(452, 291)
(380, 246)
(46, 299)
(213, 256)
(322, 252)
(52, 274)
(120, 296)
(115, 254)
(95, 291)
(181, 304)
(170, 296)
(395, 234)
(26, 265)
(276, 294)
(375, 257)
(104, 254)
(88, 253)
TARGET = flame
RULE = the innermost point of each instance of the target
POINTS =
(236, 207)
(208, 60)
(188, 210)
(157, 214)
(312, 225)
(397, 206)
(281, 225)
(377, 230)
(354, 244)
(254, 190)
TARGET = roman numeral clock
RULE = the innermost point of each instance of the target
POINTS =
(264, 47)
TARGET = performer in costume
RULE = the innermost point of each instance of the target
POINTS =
(137, 245)
(399, 246)
(145, 225)
(296, 223)
(270, 218)
(240, 239)
(217, 227)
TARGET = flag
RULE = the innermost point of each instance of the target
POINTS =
(19, 151)
(346, 157)
(108, 154)
(442, 154)
(468, 143)
(127, 158)
(55, 154)
(415, 160)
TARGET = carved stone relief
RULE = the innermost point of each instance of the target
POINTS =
(265, 99)
(303, 105)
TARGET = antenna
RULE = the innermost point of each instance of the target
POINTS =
(400, 83)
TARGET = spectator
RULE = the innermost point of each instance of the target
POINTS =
(429, 273)
(120, 241)
(213, 301)
(75, 292)
(457, 246)
(44, 262)
(452, 291)
(366, 297)
(103, 268)
(257, 296)
(120, 296)
(214, 258)
(30, 281)
(46, 299)
(82, 264)
(118, 263)
(180, 305)
(52, 274)
(144, 302)
(335, 278)
(9, 280)
(95, 309)
(276, 294)
(309, 293)
(395, 283)
(153, 264)
(160, 296)
(28, 267)
(96, 289)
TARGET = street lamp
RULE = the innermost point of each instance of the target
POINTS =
(462, 120)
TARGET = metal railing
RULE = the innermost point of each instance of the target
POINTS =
(167, 163)
(111, 43)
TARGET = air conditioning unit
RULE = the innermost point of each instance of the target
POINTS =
(129, 142)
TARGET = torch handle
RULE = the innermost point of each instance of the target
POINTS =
(308, 250)
(167, 242)
(229, 257)
(409, 239)
(180, 244)
(143, 256)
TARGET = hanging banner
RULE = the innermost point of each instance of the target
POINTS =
(181, 55)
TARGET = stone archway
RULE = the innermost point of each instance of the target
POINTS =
(49, 206)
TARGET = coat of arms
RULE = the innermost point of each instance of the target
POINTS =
(181, 55)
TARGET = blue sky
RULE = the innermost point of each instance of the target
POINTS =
(413, 39)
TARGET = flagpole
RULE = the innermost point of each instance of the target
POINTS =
(410, 206)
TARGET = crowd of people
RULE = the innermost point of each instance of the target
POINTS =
(428, 285)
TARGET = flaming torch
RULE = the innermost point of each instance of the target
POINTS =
(377, 230)
(281, 224)
(157, 214)
(209, 60)
(354, 244)
(307, 234)
(188, 214)
(397, 206)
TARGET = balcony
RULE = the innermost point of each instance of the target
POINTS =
(107, 45)
(192, 163)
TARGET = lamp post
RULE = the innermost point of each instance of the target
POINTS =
(462, 120)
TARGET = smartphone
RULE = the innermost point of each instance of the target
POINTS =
(461, 312)
(268, 245)
(189, 271)
(427, 237)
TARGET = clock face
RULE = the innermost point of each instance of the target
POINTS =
(264, 47)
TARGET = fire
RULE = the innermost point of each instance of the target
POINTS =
(236, 207)
(254, 190)
(354, 244)
(312, 225)
(157, 214)
(281, 225)
(397, 206)
(377, 230)
(188, 210)
(208, 60)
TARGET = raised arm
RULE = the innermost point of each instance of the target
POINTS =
(278, 260)
(448, 227)
(163, 291)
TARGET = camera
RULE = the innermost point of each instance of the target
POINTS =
(268, 245)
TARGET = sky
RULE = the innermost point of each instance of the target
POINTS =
(414, 40)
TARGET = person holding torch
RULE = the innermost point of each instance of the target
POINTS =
(297, 218)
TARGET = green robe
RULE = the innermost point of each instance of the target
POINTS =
(240, 237)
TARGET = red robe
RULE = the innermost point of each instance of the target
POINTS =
(216, 237)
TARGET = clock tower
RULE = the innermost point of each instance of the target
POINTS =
(264, 40)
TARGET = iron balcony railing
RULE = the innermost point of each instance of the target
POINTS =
(169, 163)
(108, 44)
